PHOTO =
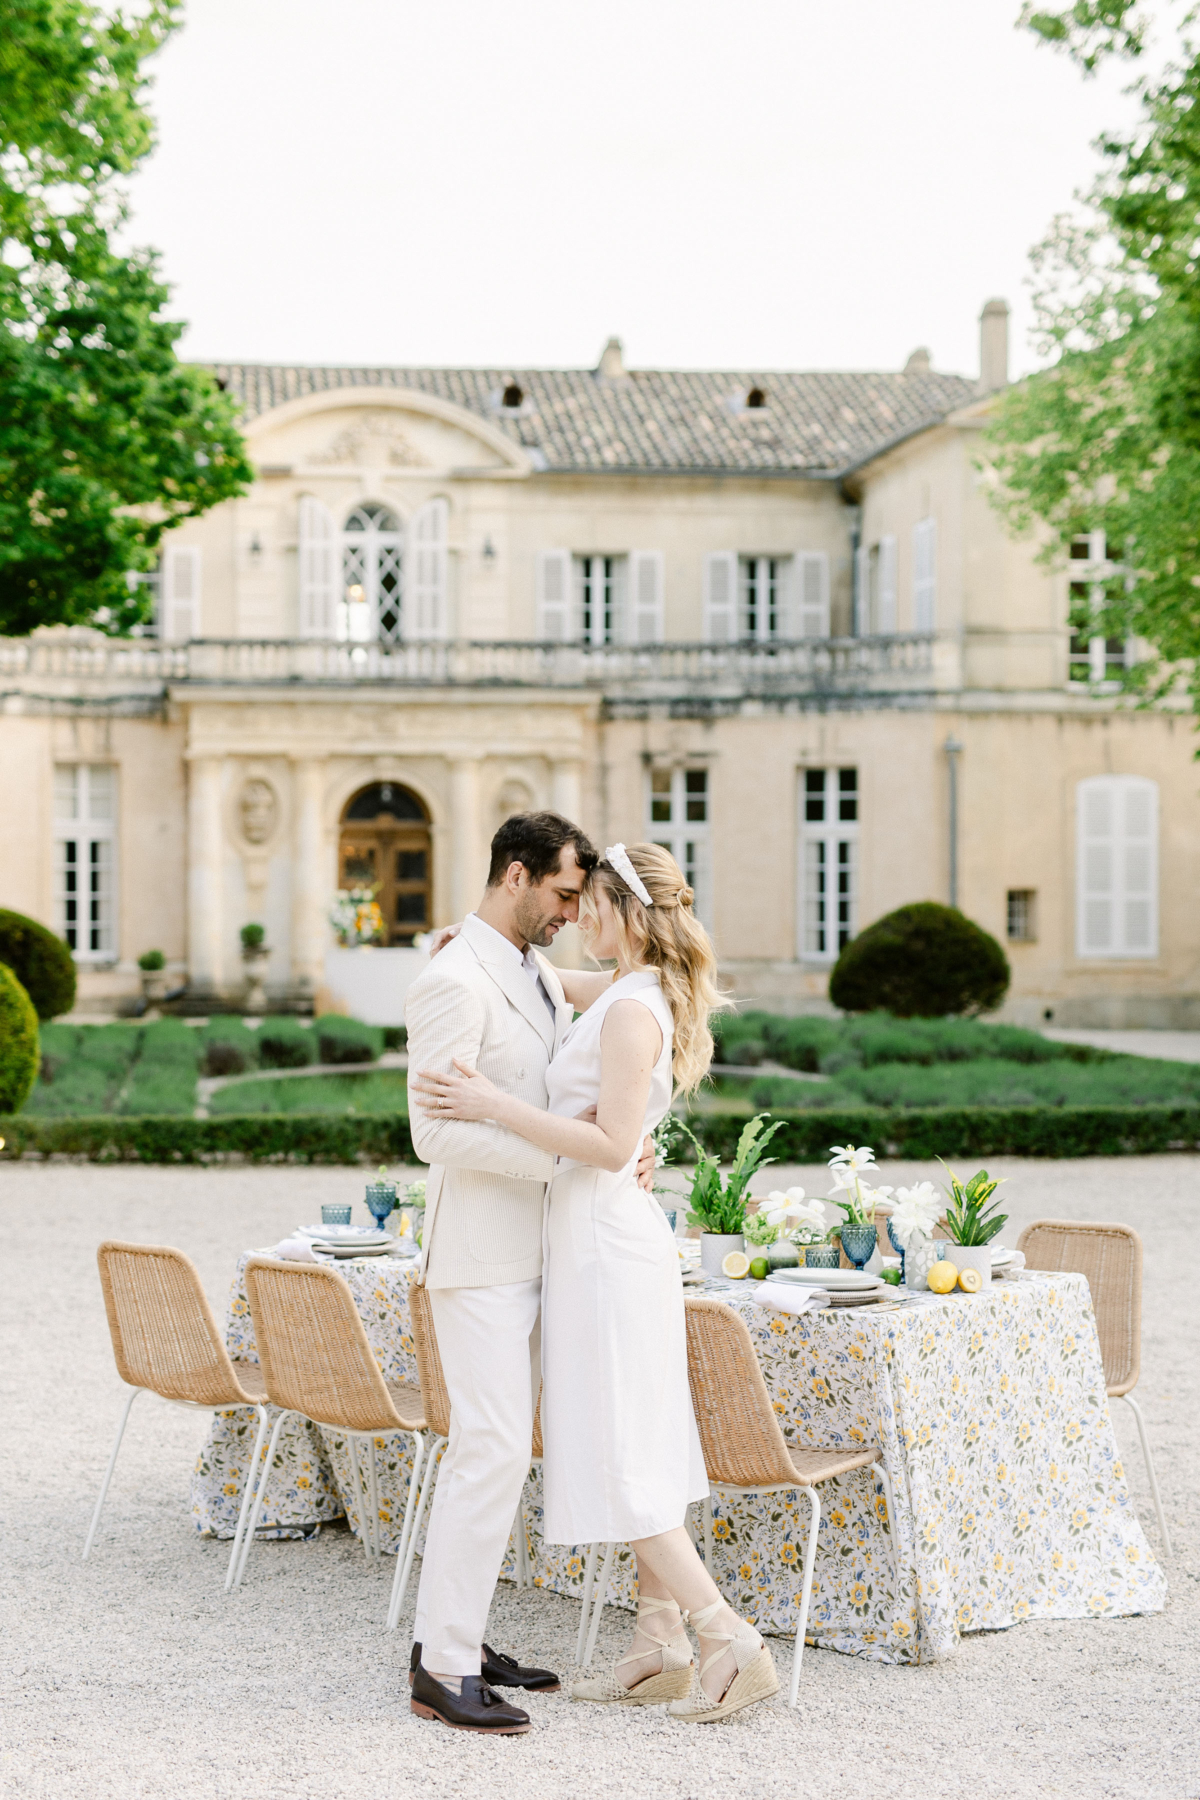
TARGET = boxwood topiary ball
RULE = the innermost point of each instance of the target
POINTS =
(20, 1053)
(921, 962)
(40, 961)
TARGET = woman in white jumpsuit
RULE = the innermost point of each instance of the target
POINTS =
(622, 1453)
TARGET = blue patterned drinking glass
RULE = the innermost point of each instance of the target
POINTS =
(822, 1256)
(381, 1200)
(335, 1215)
(897, 1246)
(858, 1241)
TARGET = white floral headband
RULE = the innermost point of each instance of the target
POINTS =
(618, 858)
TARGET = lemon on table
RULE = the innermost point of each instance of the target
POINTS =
(736, 1265)
(760, 1268)
(942, 1277)
(970, 1281)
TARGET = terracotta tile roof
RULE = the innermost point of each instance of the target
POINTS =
(681, 421)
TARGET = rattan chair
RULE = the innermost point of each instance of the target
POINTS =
(166, 1342)
(318, 1365)
(745, 1451)
(1111, 1258)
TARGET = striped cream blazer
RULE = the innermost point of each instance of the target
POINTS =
(483, 1202)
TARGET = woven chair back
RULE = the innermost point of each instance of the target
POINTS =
(739, 1433)
(1111, 1258)
(313, 1349)
(429, 1362)
(164, 1336)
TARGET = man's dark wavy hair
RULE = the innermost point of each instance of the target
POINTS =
(536, 839)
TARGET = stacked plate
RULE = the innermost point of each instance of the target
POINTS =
(344, 1241)
(845, 1287)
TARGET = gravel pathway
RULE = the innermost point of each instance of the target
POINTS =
(132, 1675)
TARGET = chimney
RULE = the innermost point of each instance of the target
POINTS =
(993, 347)
(612, 360)
(919, 363)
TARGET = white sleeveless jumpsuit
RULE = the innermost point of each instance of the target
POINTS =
(622, 1453)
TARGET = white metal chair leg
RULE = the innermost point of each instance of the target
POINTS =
(708, 1533)
(810, 1557)
(112, 1463)
(414, 1483)
(598, 1605)
(373, 1493)
(260, 1490)
(247, 1496)
(418, 1520)
(585, 1611)
(1158, 1505)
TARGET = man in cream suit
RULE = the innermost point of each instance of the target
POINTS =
(488, 1000)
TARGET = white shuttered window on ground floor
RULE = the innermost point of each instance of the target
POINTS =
(85, 832)
(1116, 866)
(678, 807)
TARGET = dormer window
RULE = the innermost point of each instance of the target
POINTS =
(756, 397)
(512, 397)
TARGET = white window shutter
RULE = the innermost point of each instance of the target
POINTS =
(720, 597)
(1116, 862)
(426, 611)
(810, 590)
(885, 613)
(644, 605)
(180, 599)
(862, 591)
(318, 569)
(924, 575)
(555, 611)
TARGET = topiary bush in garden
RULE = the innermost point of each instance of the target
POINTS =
(285, 1044)
(921, 961)
(40, 961)
(20, 1050)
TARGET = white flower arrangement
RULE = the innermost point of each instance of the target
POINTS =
(916, 1213)
(355, 917)
(796, 1217)
(848, 1164)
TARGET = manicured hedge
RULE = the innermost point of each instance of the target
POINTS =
(1057, 1131)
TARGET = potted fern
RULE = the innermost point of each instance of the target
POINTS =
(971, 1223)
(717, 1202)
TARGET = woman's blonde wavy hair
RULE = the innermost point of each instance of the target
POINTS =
(669, 938)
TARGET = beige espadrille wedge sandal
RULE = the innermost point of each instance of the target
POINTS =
(755, 1678)
(672, 1682)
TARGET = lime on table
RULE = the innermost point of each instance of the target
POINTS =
(760, 1268)
(891, 1276)
(736, 1265)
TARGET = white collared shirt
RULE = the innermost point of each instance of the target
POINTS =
(526, 961)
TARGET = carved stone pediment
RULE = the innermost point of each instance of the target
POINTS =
(375, 438)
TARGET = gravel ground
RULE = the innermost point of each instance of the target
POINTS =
(133, 1675)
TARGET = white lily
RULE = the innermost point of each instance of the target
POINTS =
(856, 1158)
(916, 1213)
(789, 1209)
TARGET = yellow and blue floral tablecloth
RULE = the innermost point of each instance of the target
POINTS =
(1011, 1502)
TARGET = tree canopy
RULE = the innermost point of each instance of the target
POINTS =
(1108, 437)
(106, 439)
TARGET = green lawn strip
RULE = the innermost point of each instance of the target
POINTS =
(816, 1044)
(84, 1068)
(163, 1079)
(373, 1138)
(376, 1091)
(1119, 1081)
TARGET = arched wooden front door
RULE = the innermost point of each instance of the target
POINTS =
(385, 843)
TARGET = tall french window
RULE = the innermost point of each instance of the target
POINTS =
(1116, 866)
(1093, 658)
(85, 830)
(828, 862)
(678, 805)
(600, 598)
(372, 599)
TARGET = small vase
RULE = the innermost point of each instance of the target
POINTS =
(919, 1258)
(715, 1247)
(783, 1254)
(858, 1241)
(822, 1256)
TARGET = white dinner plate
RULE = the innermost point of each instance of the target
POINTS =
(1000, 1255)
(843, 1281)
(344, 1251)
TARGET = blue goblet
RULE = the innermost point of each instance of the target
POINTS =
(381, 1200)
(858, 1241)
(898, 1247)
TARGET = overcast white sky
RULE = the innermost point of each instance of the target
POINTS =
(766, 184)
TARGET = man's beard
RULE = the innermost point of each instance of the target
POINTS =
(533, 923)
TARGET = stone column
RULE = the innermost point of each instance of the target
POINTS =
(309, 896)
(205, 875)
(467, 870)
(566, 793)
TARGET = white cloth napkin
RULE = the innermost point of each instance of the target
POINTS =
(788, 1297)
(295, 1249)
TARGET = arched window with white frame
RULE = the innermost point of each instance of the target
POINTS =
(1116, 866)
(371, 605)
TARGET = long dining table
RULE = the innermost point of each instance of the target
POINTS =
(990, 1410)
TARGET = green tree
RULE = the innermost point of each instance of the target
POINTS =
(106, 439)
(1107, 438)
